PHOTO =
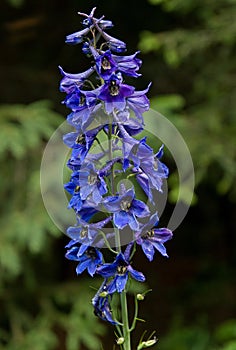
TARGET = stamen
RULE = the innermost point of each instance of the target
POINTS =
(92, 179)
(114, 88)
(125, 205)
(121, 270)
(106, 64)
(81, 139)
(84, 233)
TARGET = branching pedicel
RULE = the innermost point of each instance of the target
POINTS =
(102, 193)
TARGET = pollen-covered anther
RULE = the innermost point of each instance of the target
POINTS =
(82, 101)
(106, 64)
(113, 88)
(125, 205)
(77, 188)
(81, 139)
(148, 234)
(121, 270)
(92, 179)
(83, 233)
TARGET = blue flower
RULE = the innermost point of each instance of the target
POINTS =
(73, 187)
(114, 44)
(86, 233)
(128, 64)
(77, 37)
(139, 102)
(119, 270)
(126, 208)
(151, 238)
(150, 170)
(88, 257)
(91, 183)
(107, 64)
(114, 93)
(81, 142)
(70, 82)
(101, 304)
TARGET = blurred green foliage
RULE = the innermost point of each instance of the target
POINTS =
(199, 49)
(36, 307)
(198, 337)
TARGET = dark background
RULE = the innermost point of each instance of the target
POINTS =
(188, 52)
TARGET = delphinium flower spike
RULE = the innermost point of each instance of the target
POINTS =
(108, 212)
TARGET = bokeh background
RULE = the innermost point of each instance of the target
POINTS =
(188, 52)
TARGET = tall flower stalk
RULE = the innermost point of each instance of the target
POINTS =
(107, 164)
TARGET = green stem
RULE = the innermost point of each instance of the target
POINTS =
(125, 321)
(123, 298)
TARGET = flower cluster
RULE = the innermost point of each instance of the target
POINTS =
(107, 163)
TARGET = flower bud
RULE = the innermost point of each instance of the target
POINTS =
(120, 340)
(147, 343)
(140, 296)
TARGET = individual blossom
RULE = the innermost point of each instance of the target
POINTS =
(86, 233)
(73, 187)
(114, 93)
(150, 171)
(70, 82)
(119, 270)
(126, 208)
(139, 103)
(91, 183)
(151, 238)
(81, 142)
(101, 304)
(87, 257)
(108, 64)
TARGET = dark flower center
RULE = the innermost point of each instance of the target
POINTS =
(121, 269)
(81, 100)
(81, 139)
(92, 179)
(106, 64)
(113, 88)
(84, 233)
(125, 205)
(91, 253)
(148, 234)
(77, 188)
(155, 165)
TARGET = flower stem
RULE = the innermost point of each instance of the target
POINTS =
(123, 297)
(125, 321)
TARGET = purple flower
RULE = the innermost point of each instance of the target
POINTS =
(73, 187)
(91, 183)
(128, 64)
(76, 101)
(81, 142)
(150, 170)
(88, 257)
(115, 45)
(77, 37)
(107, 64)
(114, 94)
(151, 238)
(101, 304)
(86, 233)
(70, 82)
(119, 270)
(126, 208)
(139, 102)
